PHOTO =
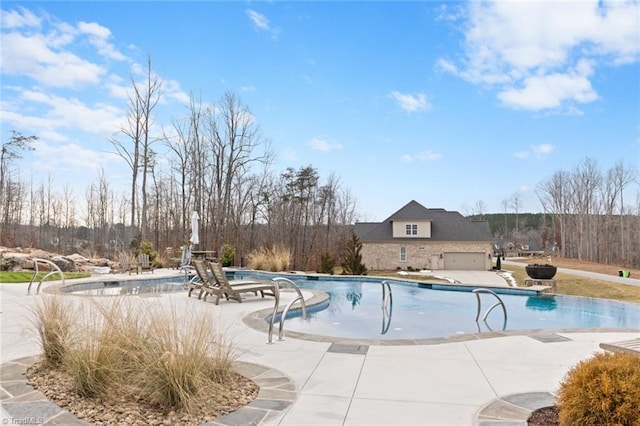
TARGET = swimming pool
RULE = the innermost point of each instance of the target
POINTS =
(354, 307)
(354, 310)
(127, 287)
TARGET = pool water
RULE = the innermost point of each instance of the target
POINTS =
(127, 287)
(355, 310)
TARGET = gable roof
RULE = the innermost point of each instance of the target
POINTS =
(445, 225)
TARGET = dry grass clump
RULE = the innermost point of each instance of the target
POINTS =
(114, 350)
(53, 321)
(604, 389)
(268, 258)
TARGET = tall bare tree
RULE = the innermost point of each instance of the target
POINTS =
(235, 144)
(136, 149)
(515, 202)
(622, 176)
(9, 188)
(553, 194)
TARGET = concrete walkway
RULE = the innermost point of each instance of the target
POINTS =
(487, 379)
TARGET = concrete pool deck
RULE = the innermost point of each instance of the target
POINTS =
(487, 379)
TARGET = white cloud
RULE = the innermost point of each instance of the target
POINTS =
(411, 103)
(261, 23)
(55, 114)
(421, 156)
(94, 29)
(18, 19)
(117, 87)
(322, 144)
(172, 90)
(522, 47)
(31, 56)
(536, 151)
(550, 91)
(98, 36)
(69, 157)
(542, 149)
(259, 20)
(45, 55)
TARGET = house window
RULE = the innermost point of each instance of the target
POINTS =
(411, 229)
(403, 254)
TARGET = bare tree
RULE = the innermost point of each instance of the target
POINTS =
(505, 209)
(137, 149)
(479, 208)
(69, 217)
(622, 176)
(10, 188)
(235, 144)
(553, 194)
(188, 164)
(584, 183)
(515, 201)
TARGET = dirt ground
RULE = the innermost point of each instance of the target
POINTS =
(562, 262)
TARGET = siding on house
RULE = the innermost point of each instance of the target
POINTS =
(449, 233)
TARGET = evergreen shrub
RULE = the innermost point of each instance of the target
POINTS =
(602, 390)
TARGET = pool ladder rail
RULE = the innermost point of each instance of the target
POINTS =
(479, 291)
(56, 270)
(387, 306)
(278, 283)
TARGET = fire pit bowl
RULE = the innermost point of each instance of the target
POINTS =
(541, 272)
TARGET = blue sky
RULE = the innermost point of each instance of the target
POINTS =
(448, 103)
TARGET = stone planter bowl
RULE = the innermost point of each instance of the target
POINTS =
(541, 272)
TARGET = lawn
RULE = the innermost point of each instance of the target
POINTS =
(25, 277)
(572, 285)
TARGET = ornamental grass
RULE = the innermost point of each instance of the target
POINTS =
(124, 348)
(268, 258)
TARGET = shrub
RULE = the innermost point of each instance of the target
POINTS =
(144, 247)
(604, 389)
(352, 263)
(228, 255)
(327, 263)
(273, 259)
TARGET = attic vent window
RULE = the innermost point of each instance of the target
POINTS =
(411, 229)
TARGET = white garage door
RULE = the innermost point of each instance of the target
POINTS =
(464, 261)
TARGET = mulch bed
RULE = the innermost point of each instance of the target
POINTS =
(545, 416)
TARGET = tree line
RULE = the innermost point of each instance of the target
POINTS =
(219, 165)
(585, 215)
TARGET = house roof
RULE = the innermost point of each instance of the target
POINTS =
(445, 225)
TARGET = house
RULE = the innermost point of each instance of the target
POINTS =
(416, 237)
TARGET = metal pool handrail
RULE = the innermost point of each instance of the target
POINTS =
(288, 283)
(35, 273)
(387, 306)
(477, 292)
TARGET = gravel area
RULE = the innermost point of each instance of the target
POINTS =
(58, 387)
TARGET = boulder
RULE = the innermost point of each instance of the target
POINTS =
(65, 264)
(13, 262)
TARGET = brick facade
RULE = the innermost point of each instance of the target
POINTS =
(420, 254)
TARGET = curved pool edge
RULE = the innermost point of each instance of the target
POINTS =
(257, 320)
(56, 287)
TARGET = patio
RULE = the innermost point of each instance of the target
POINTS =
(489, 379)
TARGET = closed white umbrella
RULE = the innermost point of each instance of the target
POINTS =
(195, 238)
